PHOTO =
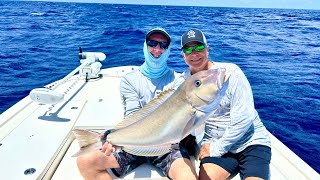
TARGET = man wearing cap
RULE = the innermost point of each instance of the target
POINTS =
(235, 139)
(137, 89)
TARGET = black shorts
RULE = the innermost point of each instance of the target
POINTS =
(253, 161)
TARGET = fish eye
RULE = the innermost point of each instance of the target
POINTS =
(197, 83)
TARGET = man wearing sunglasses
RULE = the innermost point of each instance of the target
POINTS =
(137, 89)
(235, 140)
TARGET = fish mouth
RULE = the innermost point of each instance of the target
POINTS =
(208, 98)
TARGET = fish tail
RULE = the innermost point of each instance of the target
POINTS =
(88, 141)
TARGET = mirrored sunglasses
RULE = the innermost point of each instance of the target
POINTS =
(198, 48)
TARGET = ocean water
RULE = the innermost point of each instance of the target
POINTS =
(279, 51)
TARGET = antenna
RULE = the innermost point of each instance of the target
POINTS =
(80, 53)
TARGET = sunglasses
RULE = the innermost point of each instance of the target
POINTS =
(198, 48)
(153, 43)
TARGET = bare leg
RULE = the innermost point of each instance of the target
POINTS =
(212, 171)
(253, 178)
(95, 165)
(183, 169)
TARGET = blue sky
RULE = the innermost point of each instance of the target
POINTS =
(290, 4)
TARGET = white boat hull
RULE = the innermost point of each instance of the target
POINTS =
(36, 143)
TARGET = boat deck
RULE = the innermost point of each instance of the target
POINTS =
(39, 136)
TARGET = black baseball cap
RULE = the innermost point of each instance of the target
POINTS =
(161, 31)
(193, 35)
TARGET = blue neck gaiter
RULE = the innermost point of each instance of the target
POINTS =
(154, 67)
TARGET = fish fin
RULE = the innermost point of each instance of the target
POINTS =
(88, 141)
(148, 150)
(189, 126)
(145, 110)
(88, 149)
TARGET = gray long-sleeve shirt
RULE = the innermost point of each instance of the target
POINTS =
(137, 90)
(236, 124)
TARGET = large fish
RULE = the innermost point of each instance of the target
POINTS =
(166, 120)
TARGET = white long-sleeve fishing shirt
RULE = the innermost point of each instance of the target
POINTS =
(236, 124)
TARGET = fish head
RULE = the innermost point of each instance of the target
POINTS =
(206, 88)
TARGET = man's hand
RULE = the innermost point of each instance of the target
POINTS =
(107, 148)
(204, 151)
